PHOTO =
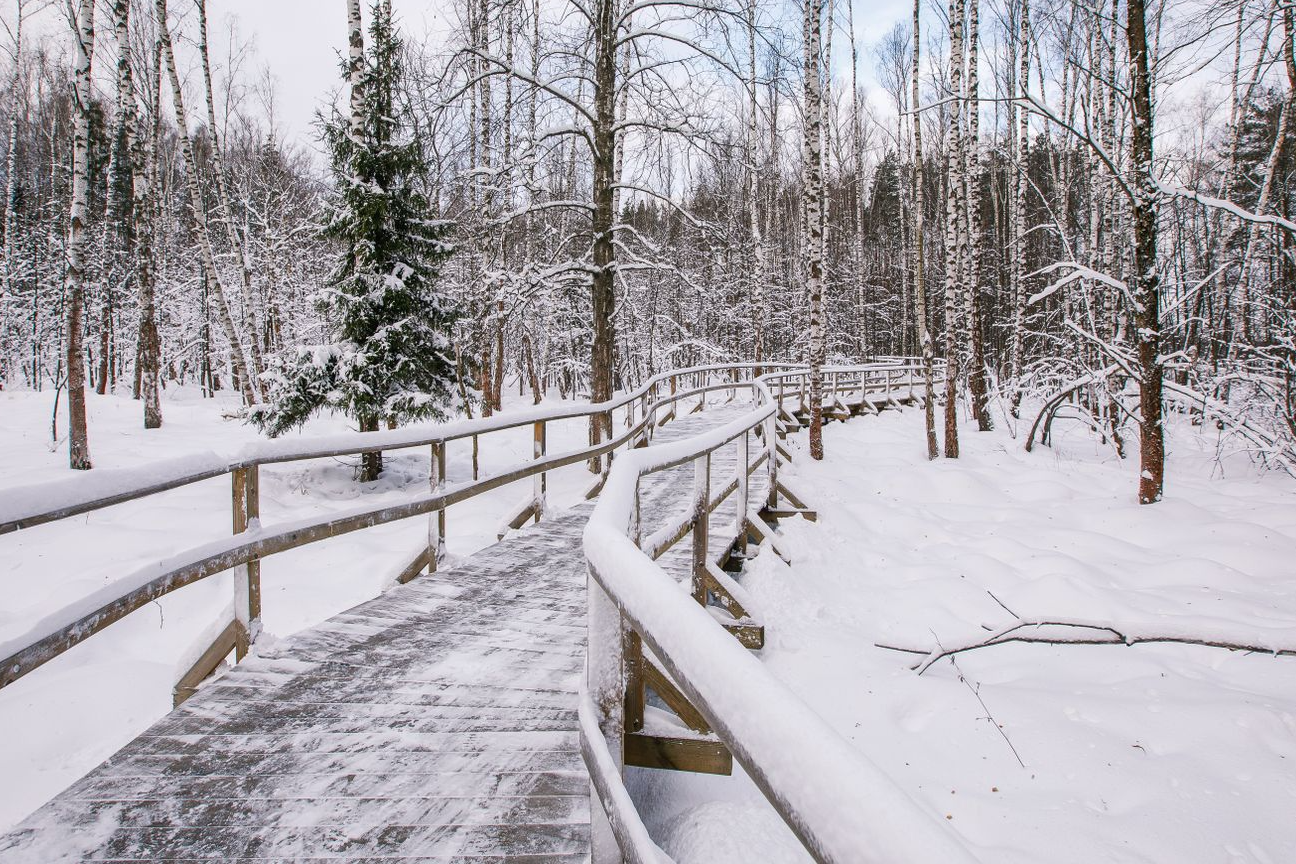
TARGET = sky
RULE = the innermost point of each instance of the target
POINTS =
(298, 42)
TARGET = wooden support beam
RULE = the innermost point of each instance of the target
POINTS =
(793, 499)
(210, 660)
(789, 512)
(762, 532)
(661, 684)
(727, 592)
(748, 633)
(698, 755)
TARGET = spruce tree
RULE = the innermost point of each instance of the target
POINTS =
(391, 358)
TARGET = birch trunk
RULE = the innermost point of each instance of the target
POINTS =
(1021, 172)
(235, 239)
(74, 279)
(975, 168)
(919, 278)
(753, 193)
(814, 219)
(205, 254)
(955, 230)
(145, 185)
(11, 198)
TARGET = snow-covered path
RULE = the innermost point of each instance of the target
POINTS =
(81, 707)
(1144, 754)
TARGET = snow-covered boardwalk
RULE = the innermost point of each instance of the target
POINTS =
(437, 721)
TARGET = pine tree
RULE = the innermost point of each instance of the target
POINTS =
(391, 359)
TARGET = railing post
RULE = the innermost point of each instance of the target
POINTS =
(539, 481)
(771, 463)
(701, 520)
(246, 495)
(740, 519)
(437, 519)
(632, 645)
(607, 675)
(803, 393)
(703, 380)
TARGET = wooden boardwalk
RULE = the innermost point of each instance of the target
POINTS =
(437, 722)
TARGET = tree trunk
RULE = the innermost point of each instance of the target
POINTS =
(919, 278)
(813, 113)
(145, 184)
(955, 230)
(1145, 278)
(205, 253)
(74, 280)
(371, 464)
(972, 159)
(602, 286)
(1021, 170)
(237, 247)
(753, 193)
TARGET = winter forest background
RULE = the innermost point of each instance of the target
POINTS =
(1050, 194)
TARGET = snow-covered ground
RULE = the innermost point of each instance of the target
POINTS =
(69, 715)
(1154, 753)
(1145, 754)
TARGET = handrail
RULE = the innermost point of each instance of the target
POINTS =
(27, 506)
(55, 633)
(840, 805)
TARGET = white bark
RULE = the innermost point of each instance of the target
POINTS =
(203, 235)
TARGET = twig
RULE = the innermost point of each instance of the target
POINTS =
(990, 718)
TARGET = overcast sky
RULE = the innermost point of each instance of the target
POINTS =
(298, 42)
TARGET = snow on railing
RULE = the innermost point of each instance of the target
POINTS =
(841, 806)
(58, 631)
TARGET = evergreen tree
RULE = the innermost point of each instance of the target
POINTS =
(391, 359)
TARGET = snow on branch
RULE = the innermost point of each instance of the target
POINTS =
(1078, 273)
(1245, 215)
(1077, 631)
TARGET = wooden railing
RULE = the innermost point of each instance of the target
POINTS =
(837, 802)
(643, 410)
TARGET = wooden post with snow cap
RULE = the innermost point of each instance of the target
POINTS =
(245, 492)
(437, 519)
(632, 644)
(771, 455)
(740, 516)
(700, 522)
(539, 481)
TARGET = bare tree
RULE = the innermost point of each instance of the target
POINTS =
(207, 256)
(82, 21)
(919, 277)
(813, 114)
(956, 234)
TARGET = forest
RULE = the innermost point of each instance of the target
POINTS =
(1051, 197)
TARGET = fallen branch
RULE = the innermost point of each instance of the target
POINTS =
(1071, 631)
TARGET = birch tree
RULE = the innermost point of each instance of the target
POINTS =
(74, 281)
(812, 111)
(956, 235)
(207, 255)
